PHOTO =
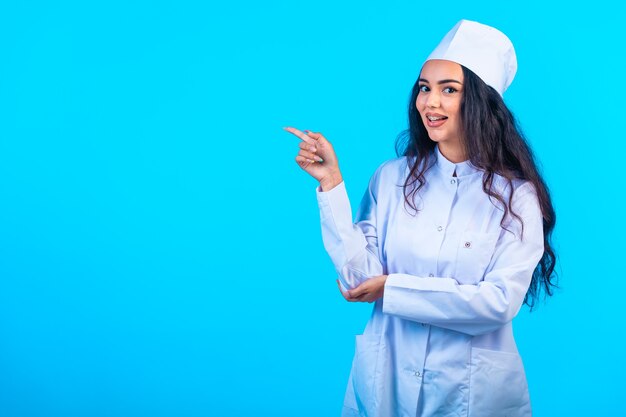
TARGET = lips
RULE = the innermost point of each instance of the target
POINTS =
(435, 119)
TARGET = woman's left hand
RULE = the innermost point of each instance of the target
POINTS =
(369, 291)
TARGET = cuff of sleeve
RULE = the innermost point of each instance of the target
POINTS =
(416, 283)
(392, 299)
(401, 290)
(335, 204)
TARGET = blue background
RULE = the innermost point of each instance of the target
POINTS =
(160, 250)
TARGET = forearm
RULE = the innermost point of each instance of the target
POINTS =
(442, 302)
(352, 247)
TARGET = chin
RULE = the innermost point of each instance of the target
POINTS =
(435, 137)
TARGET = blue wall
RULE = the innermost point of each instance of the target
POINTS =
(160, 250)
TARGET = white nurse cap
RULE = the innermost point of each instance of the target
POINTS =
(483, 49)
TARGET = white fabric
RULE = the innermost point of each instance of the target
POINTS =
(440, 342)
(481, 48)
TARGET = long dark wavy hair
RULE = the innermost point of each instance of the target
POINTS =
(495, 144)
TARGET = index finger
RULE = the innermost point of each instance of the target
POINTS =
(301, 135)
(359, 291)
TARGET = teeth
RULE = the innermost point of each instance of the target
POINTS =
(433, 119)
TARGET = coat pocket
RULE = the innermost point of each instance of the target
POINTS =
(498, 386)
(364, 378)
(474, 252)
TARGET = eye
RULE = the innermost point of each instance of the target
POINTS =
(450, 90)
(424, 88)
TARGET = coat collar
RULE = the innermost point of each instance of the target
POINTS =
(447, 167)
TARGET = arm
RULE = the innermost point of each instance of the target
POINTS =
(486, 306)
(353, 247)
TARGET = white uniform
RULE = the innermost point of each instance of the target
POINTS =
(440, 341)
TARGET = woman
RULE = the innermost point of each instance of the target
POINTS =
(450, 240)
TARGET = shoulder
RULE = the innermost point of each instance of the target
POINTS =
(388, 173)
(390, 170)
(524, 202)
(515, 189)
(393, 165)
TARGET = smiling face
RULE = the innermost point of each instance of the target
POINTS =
(439, 105)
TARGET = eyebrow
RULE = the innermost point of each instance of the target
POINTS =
(442, 81)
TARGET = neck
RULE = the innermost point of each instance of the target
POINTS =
(452, 153)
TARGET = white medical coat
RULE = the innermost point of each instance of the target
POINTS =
(440, 341)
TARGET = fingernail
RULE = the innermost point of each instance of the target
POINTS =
(320, 160)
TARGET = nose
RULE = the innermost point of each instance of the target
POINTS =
(433, 99)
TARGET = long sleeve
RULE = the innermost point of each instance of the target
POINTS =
(492, 302)
(353, 247)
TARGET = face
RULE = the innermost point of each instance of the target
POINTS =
(439, 103)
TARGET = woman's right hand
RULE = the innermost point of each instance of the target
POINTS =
(317, 158)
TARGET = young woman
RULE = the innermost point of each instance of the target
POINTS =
(450, 240)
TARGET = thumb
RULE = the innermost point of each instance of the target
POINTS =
(325, 149)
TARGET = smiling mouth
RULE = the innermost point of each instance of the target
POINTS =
(434, 119)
